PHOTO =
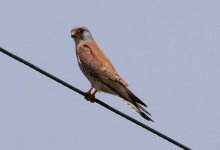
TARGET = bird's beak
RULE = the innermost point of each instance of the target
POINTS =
(73, 34)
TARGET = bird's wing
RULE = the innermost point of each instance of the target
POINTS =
(97, 62)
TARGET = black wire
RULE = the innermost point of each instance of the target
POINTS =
(96, 100)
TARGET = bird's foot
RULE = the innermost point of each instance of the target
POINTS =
(90, 97)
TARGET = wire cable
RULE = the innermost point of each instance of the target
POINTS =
(96, 100)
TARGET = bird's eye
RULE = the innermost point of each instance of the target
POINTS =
(80, 31)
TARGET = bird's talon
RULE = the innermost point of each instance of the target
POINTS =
(90, 97)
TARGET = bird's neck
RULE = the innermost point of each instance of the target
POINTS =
(84, 39)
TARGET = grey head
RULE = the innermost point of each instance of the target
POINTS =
(80, 34)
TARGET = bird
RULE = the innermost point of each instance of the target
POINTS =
(98, 69)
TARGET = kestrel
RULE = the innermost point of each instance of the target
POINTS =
(102, 75)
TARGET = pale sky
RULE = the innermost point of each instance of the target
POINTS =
(168, 52)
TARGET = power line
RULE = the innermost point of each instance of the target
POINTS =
(96, 100)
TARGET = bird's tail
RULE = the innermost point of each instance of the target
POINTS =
(138, 105)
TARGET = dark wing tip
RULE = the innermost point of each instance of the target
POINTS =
(145, 116)
(134, 97)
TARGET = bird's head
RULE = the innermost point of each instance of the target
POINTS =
(81, 34)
